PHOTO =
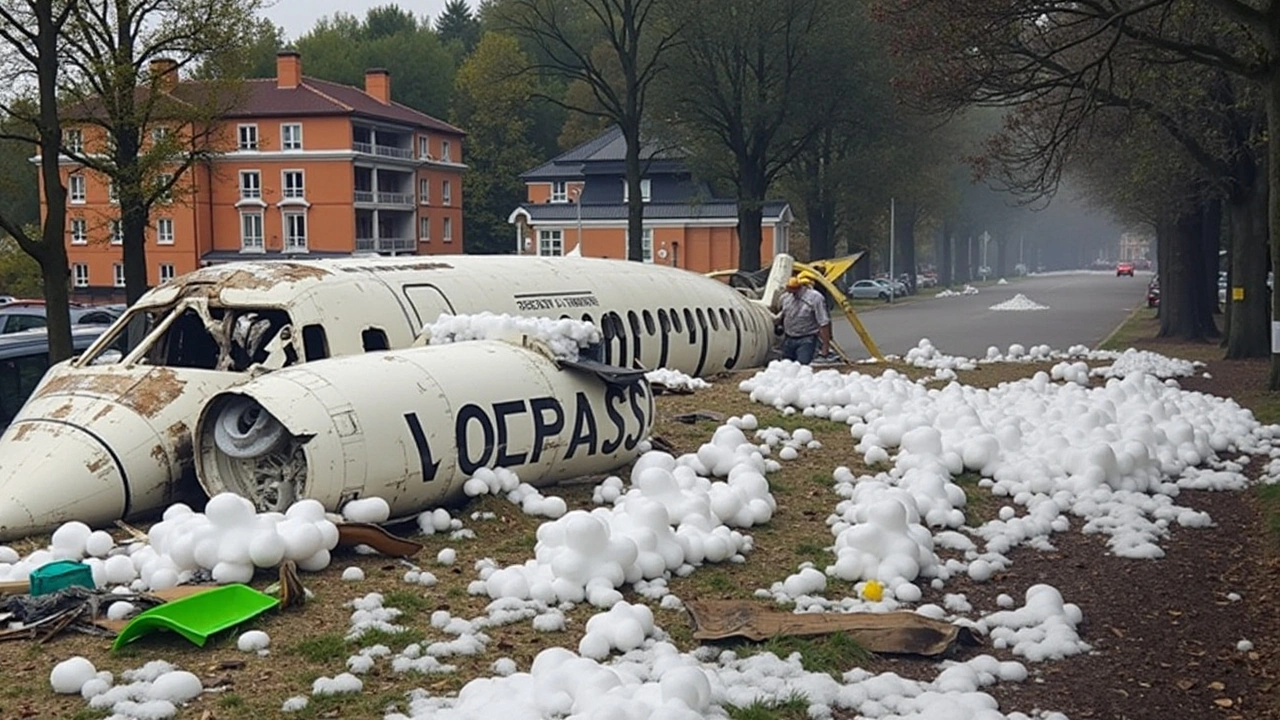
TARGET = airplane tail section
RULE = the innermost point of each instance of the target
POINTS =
(783, 264)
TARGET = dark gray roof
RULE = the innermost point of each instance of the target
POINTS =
(608, 146)
(221, 256)
(711, 210)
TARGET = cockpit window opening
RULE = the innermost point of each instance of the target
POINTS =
(315, 344)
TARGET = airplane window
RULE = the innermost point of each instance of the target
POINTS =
(18, 379)
(688, 319)
(702, 320)
(724, 319)
(715, 324)
(125, 336)
(606, 329)
(186, 343)
(374, 339)
(675, 321)
(663, 321)
(737, 319)
(315, 344)
(586, 317)
(634, 321)
(648, 323)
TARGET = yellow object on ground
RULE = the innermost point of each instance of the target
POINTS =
(873, 591)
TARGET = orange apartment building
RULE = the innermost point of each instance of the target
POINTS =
(305, 168)
(577, 203)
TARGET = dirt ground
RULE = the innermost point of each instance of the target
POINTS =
(1164, 633)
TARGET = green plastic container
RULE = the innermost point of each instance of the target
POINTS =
(196, 617)
(59, 575)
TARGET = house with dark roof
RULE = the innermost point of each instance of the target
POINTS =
(577, 203)
(304, 168)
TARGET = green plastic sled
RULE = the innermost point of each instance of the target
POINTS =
(196, 617)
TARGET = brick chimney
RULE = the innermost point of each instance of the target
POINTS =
(165, 72)
(288, 69)
(377, 83)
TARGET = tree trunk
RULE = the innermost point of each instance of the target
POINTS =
(635, 201)
(53, 249)
(946, 250)
(1271, 90)
(1184, 308)
(751, 191)
(133, 225)
(905, 262)
(1247, 330)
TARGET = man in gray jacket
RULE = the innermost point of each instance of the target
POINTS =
(806, 325)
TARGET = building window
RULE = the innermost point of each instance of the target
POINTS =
(164, 187)
(113, 195)
(446, 154)
(424, 191)
(159, 135)
(164, 231)
(446, 192)
(166, 272)
(79, 235)
(118, 272)
(76, 188)
(80, 275)
(117, 232)
(646, 242)
(424, 229)
(645, 190)
(73, 141)
(250, 184)
(447, 232)
(291, 136)
(251, 232)
(293, 184)
(559, 191)
(550, 242)
(248, 137)
(295, 232)
(424, 147)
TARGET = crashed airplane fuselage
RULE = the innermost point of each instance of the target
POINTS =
(109, 435)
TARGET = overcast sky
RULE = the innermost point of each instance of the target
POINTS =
(297, 16)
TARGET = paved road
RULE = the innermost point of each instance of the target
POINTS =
(1083, 309)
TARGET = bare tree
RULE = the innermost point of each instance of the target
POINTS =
(617, 48)
(30, 31)
(123, 60)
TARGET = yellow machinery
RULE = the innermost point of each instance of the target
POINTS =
(825, 273)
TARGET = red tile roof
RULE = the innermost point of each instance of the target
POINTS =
(320, 97)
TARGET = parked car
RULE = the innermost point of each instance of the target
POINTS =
(24, 358)
(1153, 292)
(30, 315)
(895, 286)
(869, 290)
(1124, 268)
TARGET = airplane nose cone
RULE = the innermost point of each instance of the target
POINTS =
(52, 472)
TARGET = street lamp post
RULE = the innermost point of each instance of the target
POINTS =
(577, 201)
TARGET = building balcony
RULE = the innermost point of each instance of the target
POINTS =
(385, 245)
(377, 197)
(383, 150)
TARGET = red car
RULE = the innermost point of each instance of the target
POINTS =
(1124, 268)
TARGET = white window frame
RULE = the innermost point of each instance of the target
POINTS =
(77, 188)
(79, 232)
(424, 229)
(424, 191)
(165, 272)
(550, 239)
(247, 242)
(297, 193)
(446, 151)
(158, 134)
(424, 147)
(294, 143)
(80, 275)
(117, 275)
(292, 242)
(559, 191)
(113, 195)
(646, 190)
(162, 237)
(73, 140)
(446, 192)
(164, 179)
(253, 190)
(446, 232)
(117, 232)
(646, 244)
(247, 136)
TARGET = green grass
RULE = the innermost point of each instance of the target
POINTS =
(325, 648)
(409, 602)
(90, 714)
(1269, 501)
(833, 654)
(393, 640)
(815, 553)
(980, 505)
(795, 707)
(231, 701)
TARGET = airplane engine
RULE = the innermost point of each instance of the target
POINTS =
(412, 426)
